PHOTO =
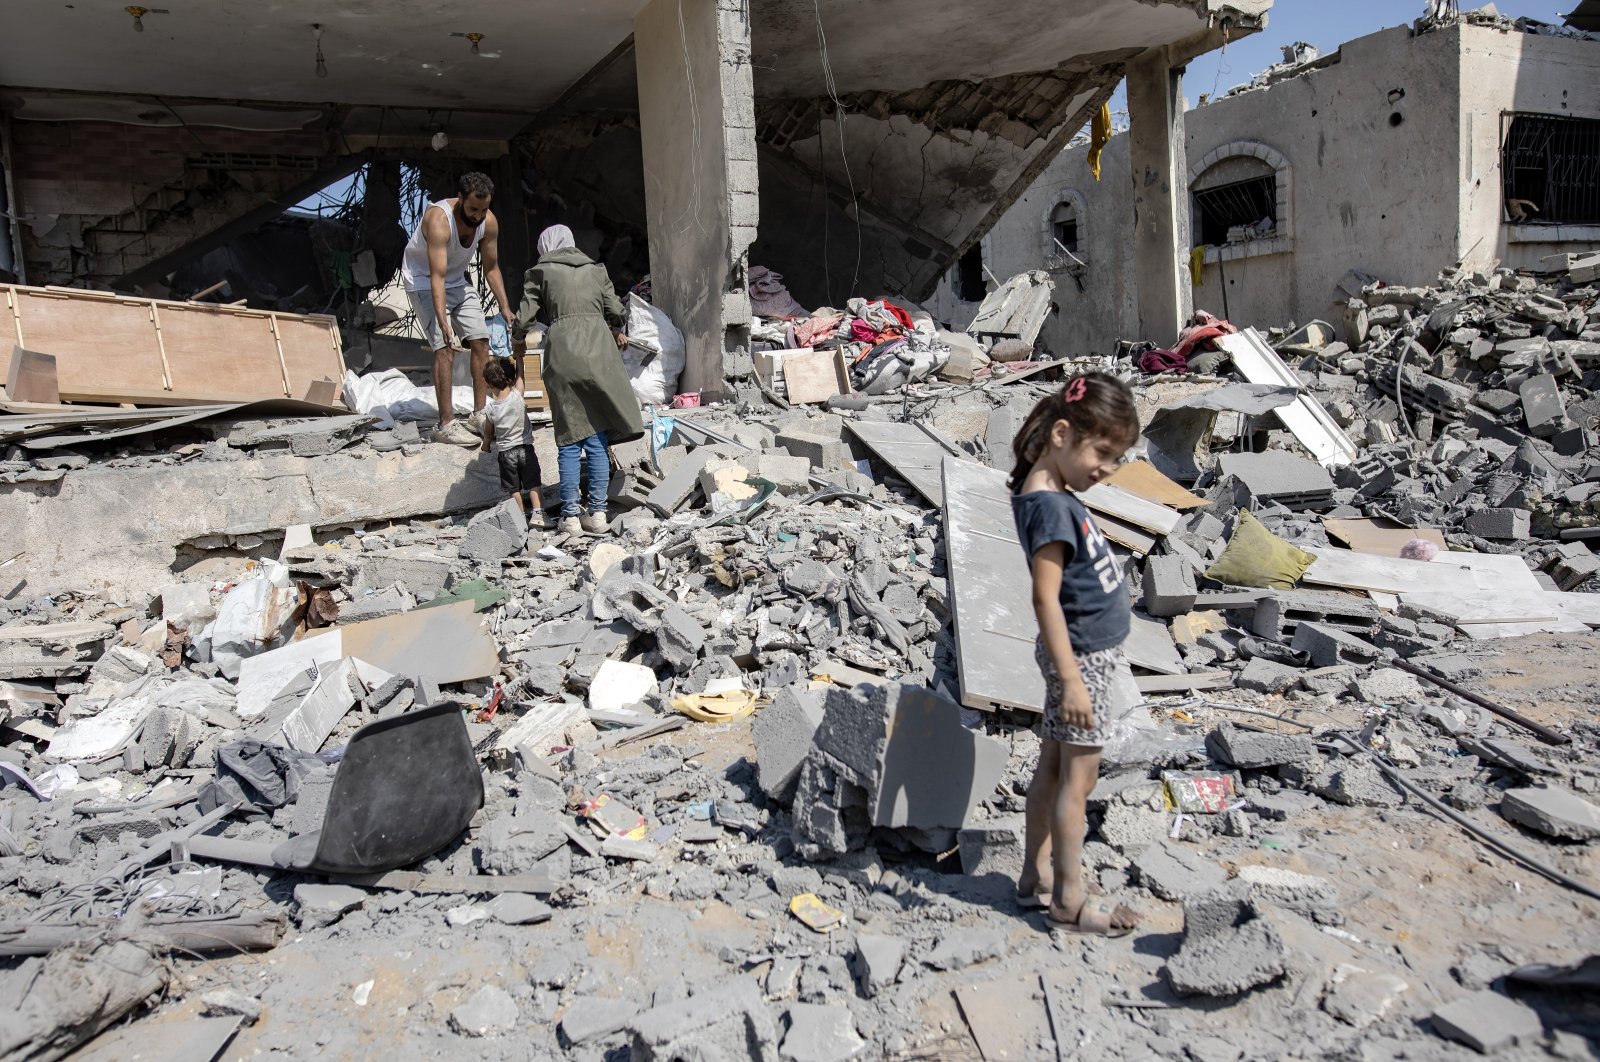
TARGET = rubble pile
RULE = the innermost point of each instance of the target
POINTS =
(716, 785)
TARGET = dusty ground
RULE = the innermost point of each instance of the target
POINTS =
(1416, 897)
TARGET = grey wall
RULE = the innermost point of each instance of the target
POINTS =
(1399, 201)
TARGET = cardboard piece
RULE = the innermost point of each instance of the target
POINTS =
(1381, 538)
(32, 378)
(815, 377)
(1144, 480)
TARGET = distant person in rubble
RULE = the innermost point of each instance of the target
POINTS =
(591, 401)
(434, 272)
(1070, 441)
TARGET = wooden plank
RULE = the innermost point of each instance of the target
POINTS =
(990, 591)
(814, 377)
(907, 450)
(310, 353)
(1130, 508)
(1382, 538)
(1126, 535)
(32, 378)
(1448, 571)
(1144, 480)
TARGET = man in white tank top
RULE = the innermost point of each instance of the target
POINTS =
(434, 272)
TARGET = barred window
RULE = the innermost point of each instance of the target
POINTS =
(1550, 169)
(1223, 207)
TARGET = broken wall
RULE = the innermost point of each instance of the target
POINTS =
(1390, 164)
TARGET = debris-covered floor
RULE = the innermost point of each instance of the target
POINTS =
(731, 805)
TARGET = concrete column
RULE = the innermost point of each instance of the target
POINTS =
(697, 125)
(1160, 195)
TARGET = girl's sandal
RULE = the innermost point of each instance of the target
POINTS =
(1096, 918)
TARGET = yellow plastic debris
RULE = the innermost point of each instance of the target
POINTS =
(716, 707)
(814, 913)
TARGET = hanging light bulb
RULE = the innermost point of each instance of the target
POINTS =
(322, 66)
(138, 14)
(474, 38)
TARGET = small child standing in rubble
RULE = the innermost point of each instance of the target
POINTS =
(1070, 441)
(507, 431)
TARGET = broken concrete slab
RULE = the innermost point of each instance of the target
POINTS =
(878, 960)
(488, 1012)
(1257, 749)
(322, 905)
(1228, 948)
(1176, 871)
(593, 1018)
(961, 948)
(1553, 812)
(726, 1020)
(1487, 1021)
(783, 733)
(821, 1033)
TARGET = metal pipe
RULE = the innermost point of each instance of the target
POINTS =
(1544, 733)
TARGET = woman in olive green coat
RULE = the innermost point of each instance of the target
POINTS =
(591, 400)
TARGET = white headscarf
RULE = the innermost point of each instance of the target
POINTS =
(554, 238)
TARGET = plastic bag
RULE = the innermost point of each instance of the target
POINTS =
(655, 354)
(258, 614)
(390, 396)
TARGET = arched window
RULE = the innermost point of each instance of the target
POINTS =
(1065, 232)
(1239, 196)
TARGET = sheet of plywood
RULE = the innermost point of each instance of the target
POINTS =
(908, 450)
(115, 348)
(310, 353)
(100, 343)
(814, 377)
(990, 591)
(1145, 480)
(1448, 571)
(1125, 535)
(221, 356)
(1382, 538)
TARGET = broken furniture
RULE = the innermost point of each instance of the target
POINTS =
(117, 348)
(406, 788)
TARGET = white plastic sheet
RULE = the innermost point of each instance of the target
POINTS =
(257, 615)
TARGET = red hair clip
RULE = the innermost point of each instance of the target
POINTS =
(1075, 390)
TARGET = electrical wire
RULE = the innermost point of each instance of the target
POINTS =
(832, 88)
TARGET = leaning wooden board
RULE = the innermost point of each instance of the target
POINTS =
(118, 348)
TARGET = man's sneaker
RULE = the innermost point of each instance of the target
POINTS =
(456, 434)
(595, 523)
(570, 525)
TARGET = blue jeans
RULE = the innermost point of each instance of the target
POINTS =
(570, 460)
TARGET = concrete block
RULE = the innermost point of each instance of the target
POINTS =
(1329, 681)
(993, 847)
(1175, 871)
(1506, 524)
(1169, 586)
(1328, 646)
(592, 1019)
(727, 478)
(820, 451)
(1228, 948)
(1543, 408)
(960, 948)
(683, 480)
(1552, 812)
(1253, 749)
(1358, 783)
(1487, 1022)
(1131, 828)
(791, 475)
(1267, 676)
(1388, 685)
(783, 734)
(679, 637)
(821, 1033)
(488, 543)
(488, 1012)
(726, 1020)
(877, 962)
(1360, 997)
(323, 905)
(425, 575)
(1287, 888)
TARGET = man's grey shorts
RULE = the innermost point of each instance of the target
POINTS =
(465, 310)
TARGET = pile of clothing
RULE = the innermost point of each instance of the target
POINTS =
(885, 345)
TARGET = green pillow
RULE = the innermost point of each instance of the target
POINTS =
(1257, 557)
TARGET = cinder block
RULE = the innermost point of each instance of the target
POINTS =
(1329, 646)
(1169, 586)
(820, 451)
(1506, 524)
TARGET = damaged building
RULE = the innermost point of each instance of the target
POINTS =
(1470, 141)
(316, 743)
(775, 134)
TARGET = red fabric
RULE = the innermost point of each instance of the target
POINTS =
(1202, 328)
